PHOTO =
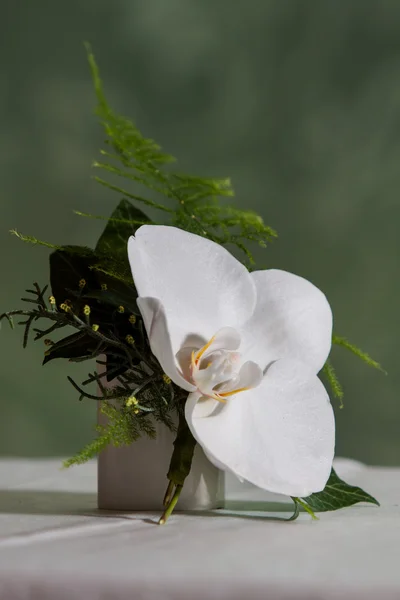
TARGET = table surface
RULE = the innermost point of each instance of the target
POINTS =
(54, 544)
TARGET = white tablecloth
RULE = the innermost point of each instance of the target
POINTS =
(55, 545)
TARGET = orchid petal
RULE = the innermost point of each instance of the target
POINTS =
(292, 319)
(249, 377)
(155, 322)
(205, 406)
(183, 358)
(226, 338)
(201, 286)
(279, 436)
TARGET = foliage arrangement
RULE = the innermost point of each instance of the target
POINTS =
(92, 293)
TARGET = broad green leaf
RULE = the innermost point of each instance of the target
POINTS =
(337, 494)
(123, 223)
(67, 267)
(76, 345)
(103, 293)
(115, 297)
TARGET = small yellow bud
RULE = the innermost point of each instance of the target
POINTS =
(132, 401)
(52, 300)
(121, 309)
(132, 319)
(95, 327)
(166, 379)
(82, 283)
(129, 339)
(65, 307)
(136, 411)
(86, 310)
(104, 287)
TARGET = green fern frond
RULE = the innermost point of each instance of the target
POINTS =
(190, 202)
(32, 240)
(333, 381)
(91, 450)
(122, 430)
(136, 197)
(79, 250)
(111, 219)
(341, 341)
(112, 272)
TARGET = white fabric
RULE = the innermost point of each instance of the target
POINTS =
(54, 545)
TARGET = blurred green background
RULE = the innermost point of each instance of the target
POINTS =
(298, 101)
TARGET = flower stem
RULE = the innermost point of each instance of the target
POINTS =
(168, 494)
(168, 511)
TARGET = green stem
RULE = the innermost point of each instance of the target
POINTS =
(168, 494)
(168, 511)
(306, 508)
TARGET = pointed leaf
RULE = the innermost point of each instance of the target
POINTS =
(337, 494)
(123, 296)
(67, 267)
(76, 345)
(123, 223)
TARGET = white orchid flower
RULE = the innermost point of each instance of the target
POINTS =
(247, 347)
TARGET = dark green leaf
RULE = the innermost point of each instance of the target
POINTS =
(123, 223)
(73, 346)
(68, 267)
(337, 494)
(72, 264)
(116, 298)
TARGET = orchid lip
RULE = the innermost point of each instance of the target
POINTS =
(216, 369)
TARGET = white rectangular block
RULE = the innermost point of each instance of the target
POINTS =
(135, 477)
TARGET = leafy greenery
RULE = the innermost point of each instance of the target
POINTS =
(123, 428)
(191, 203)
(123, 223)
(330, 373)
(333, 381)
(74, 346)
(93, 292)
(32, 240)
(344, 343)
(337, 494)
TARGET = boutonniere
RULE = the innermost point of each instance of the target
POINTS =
(226, 355)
